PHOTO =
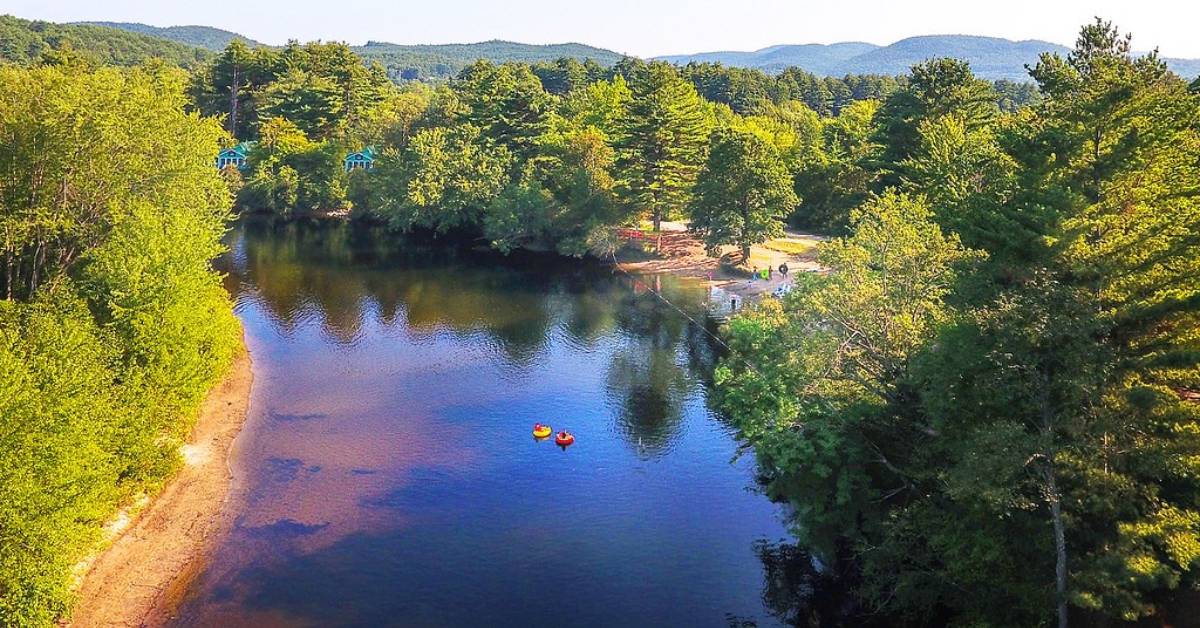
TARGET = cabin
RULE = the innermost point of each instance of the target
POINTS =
(235, 156)
(362, 160)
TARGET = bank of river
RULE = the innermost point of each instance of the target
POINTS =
(151, 556)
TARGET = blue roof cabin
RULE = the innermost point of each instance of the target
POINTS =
(235, 156)
(362, 160)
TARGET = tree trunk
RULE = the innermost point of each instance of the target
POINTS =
(233, 102)
(657, 220)
(745, 208)
(1054, 497)
(1060, 545)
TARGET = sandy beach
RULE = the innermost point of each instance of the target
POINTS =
(681, 253)
(153, 555)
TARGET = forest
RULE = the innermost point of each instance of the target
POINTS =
(986, 413)
(550, 155)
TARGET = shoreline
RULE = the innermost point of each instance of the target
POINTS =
(152, 558)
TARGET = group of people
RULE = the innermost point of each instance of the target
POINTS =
(768, 273)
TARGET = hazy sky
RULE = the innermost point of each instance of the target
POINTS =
(644, 27)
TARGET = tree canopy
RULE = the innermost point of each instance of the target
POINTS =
(990, 403)
(112, 323)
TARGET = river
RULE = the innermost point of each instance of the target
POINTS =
(387, 474)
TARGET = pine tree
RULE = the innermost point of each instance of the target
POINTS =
(663, 140)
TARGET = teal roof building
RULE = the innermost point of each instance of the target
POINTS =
(235, 156)
(361, 160)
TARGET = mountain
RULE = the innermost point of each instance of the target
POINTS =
(445, 60)
(990, 57)
(816, 58)
(407, 61)
(199, 36)
(23, 41)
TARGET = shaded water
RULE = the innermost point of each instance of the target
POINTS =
(387, 474)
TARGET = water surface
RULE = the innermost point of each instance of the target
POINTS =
(387, 474)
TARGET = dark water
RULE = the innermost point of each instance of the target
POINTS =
(387, 474)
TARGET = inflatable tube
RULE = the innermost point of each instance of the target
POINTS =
(564, 439)
(542, 431)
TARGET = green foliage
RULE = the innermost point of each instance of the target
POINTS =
(809, 379)
(311, 102)
(967, 178)
(743, 193)
(324, 88)
(290, 174)
(570, 205)
(835, 175)
(749, 91)
(113, 325)
(602, 105)
(567, 74)
(443, 180)
(937, 88)
(506, 103)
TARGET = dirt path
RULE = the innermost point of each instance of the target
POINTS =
(151, 561)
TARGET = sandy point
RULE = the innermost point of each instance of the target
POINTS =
(152, 557)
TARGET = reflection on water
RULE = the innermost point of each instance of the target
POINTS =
(387, 474)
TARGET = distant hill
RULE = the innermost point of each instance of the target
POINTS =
(816, 58)
(125, 43)
(401, 61)
(990, 57)
(199, 36)
(445, 60)
(24, 41)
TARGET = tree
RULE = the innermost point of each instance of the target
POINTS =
(938, 87)
(312, 102)
(289, 174)
(1123, 246)
(834, 176)
(743, 193)
(506, 103)
(601, 105)
(968, 179)
(231, 83)
(662, 142)
(814, 382)
(443, 180)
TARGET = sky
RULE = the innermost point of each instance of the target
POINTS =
(645, 28)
